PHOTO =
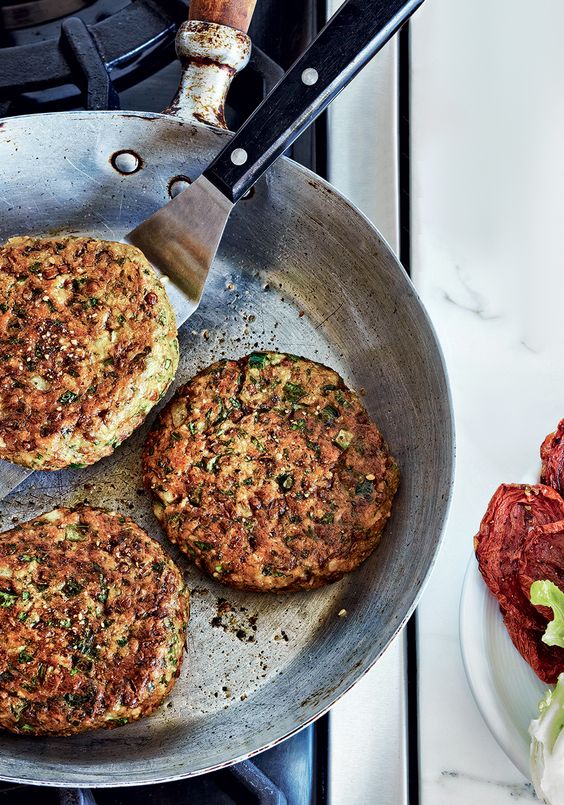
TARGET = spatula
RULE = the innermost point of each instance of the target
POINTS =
(182, 238)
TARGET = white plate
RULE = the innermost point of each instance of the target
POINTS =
(506, 690)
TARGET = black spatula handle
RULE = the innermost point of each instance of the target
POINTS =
(351, 37)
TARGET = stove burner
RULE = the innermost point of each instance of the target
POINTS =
(107, 49)
(82, 52)
(15, 15)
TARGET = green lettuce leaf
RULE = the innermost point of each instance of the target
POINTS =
(547, 594)
(547, 746)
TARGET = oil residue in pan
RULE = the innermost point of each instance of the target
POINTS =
(237, 642)
(360, 315)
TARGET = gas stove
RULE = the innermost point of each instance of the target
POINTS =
(111, 54)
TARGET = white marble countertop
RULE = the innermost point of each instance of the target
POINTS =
(487, 174)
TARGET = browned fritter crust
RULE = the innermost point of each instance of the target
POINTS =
(93, 616)
(268, 472)
(87, 347)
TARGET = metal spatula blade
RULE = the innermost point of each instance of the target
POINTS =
(182, 238)
(190, 280)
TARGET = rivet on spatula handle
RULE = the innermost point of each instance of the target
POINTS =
(355, 33)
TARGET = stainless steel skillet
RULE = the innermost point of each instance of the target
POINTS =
(258, 667)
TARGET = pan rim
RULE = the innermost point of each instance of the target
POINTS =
(82, 779)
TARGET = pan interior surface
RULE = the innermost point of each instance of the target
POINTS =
(299, 271)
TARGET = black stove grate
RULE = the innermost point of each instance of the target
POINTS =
(292, 773)
(83, 59)
(142, 28)
(120, 54)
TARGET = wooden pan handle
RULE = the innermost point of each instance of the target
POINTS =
(235, 13)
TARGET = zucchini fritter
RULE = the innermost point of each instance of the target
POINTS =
(268, 472)
(93, 616)
(87, 347)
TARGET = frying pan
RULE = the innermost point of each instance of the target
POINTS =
(299, 270)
